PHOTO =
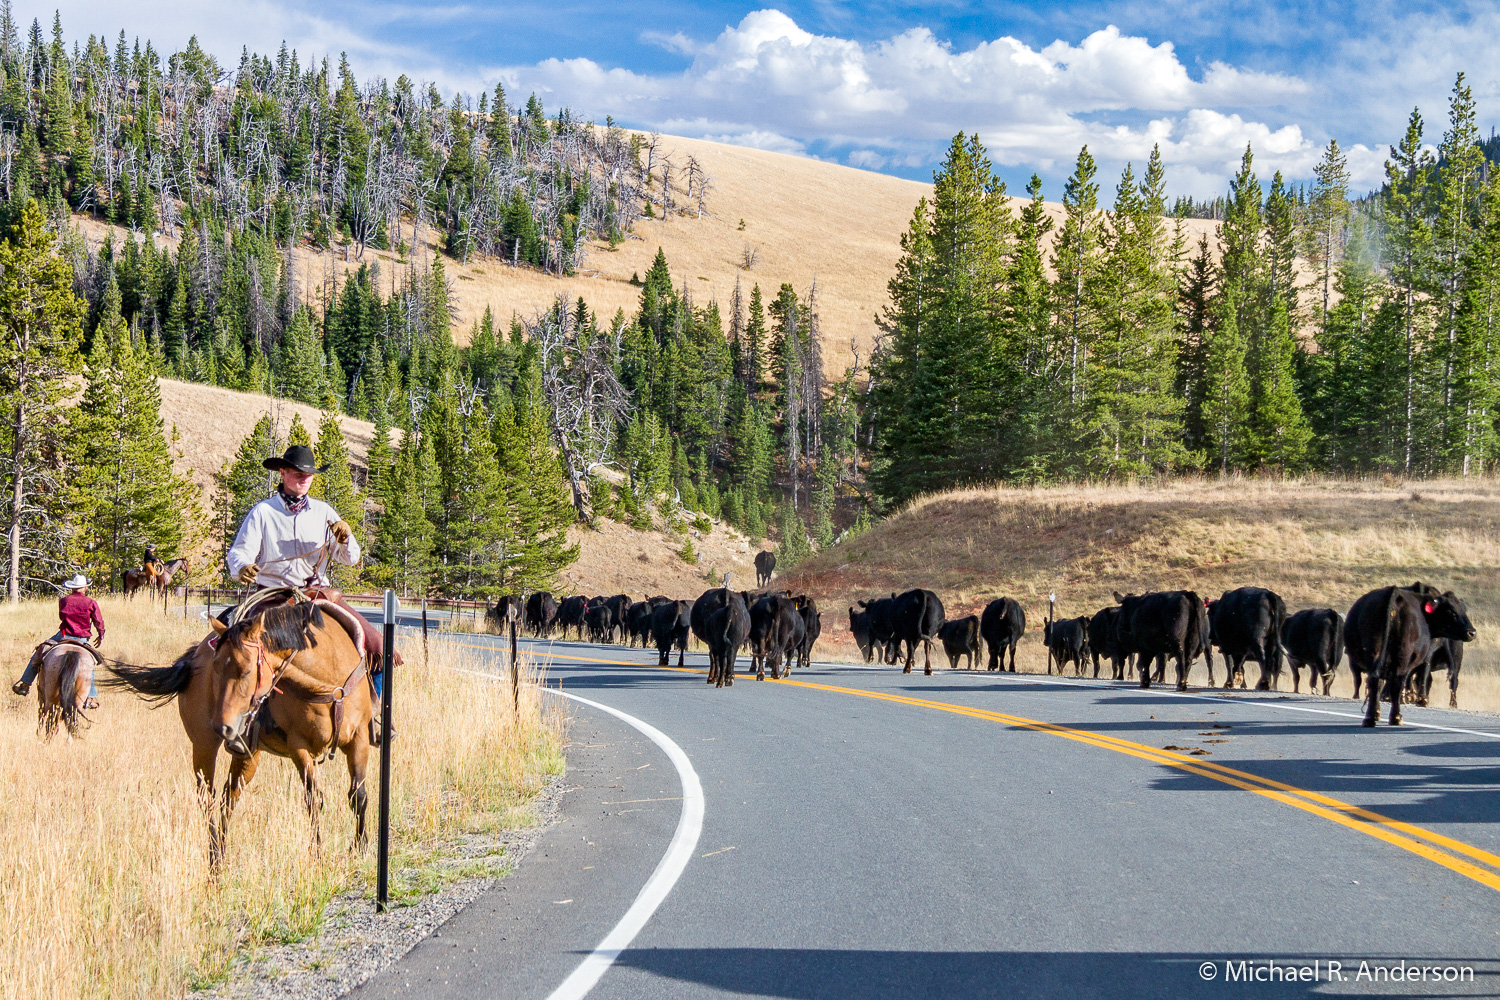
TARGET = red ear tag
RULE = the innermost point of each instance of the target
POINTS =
(1429, 607)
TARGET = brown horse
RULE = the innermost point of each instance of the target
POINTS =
(169, 571)
(287, 681)
(66, 672)
(135, 579)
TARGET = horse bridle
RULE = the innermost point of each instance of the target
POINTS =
(335, 697)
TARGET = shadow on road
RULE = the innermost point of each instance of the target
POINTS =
(817, 974)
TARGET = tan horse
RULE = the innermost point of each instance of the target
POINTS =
(65, 673)
(288, 681)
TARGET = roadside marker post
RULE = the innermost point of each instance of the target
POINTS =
(424, 630)
(383, 837)
(515, 672)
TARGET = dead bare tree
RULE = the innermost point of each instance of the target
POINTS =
(586, 401)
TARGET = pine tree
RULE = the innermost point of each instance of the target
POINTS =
(402, 550)
(336, 487)
(1454, 233)
(1074, 262)
(1327, 225)
(244, 481)
(1226, 386)
(125, 492)
(41, 321)
(1409, 243)
(1279, 430)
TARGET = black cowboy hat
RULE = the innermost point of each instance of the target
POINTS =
(299, 457)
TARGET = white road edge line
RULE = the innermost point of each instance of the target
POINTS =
(668, 870)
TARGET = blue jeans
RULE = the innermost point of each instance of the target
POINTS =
(29, 674)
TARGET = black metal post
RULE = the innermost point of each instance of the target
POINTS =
(515, 672)
(209, 610)
(424, 630)
(383, 839)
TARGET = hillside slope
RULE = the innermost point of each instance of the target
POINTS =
(805, 219)
(1318, 544)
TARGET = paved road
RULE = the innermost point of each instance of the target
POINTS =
(876, 835)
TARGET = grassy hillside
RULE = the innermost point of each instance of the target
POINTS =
(1317, 543)
(805, 219)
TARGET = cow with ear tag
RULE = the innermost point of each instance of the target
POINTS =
(1391, 632)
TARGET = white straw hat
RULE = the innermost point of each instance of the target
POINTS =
(78, 582)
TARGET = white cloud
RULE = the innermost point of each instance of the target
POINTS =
(893, 103)
(767, 76)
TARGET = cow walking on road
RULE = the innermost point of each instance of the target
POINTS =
(1068, 642)
(1001, 626)
(1313, 639)
(1168, 623)
(960, 638)
(1246, 625)
(721, 621)
(1389, 633)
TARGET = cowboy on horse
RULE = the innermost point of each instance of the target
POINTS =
(288, 539)
(78, 616)
(151, 561)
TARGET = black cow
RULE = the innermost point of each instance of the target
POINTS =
(1168, 623)
(765, 565)
(878, 618)
(600, 619)
(1447, 654)
(541, 613)
(1313, 639)
(638, 622)
(960, 638)
(670, 623)
(570, 614)
(1068, 641)
(507, 610)
(721, 621)
(812, 627)
(776, 633)
(1104, 640)
(1389, 633)
(916, 616)
(1246, 625)
(859, 627)
(1001, 626)
(619, 606)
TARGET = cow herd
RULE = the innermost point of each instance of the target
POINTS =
(1396, 638)
(780, 629)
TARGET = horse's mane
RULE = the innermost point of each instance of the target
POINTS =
(287, 627)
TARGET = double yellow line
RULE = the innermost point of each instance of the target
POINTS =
(1452, 854)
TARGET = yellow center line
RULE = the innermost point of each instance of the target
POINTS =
(1366, 821)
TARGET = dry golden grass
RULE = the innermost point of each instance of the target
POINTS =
(617, 559)
(104, 888)
(211, 423)
(1318, 543)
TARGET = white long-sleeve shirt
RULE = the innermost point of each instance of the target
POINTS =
(286, 546)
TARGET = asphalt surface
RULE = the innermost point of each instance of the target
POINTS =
(877, 835)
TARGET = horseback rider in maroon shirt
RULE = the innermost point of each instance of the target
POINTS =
(78, 616)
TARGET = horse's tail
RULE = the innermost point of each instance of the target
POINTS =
(155, 684)
(73, 661)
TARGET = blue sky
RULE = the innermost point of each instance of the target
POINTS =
(883, 85)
